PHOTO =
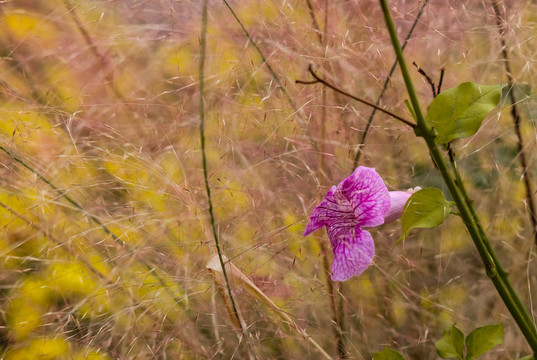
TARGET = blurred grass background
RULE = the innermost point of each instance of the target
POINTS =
(100, 98)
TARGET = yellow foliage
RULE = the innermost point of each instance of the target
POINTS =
(519, 193)
(296, 248)
(7, 218)
(427, 301)
(367, 290)
(22, 25)
(29, 130)
(43, 349)
(170, 166)
(454, 295)
(36, 292)
(245, 234)
(400, 311)
(455, 236)
(293, 223)
(313, 246)
(253, 12)
(100, 264)
(92, 355)
(444, 319)
(97, 304)
(66, 87)
(228, 199)
(22, 318)
(19, 240)
(68, 278)
(144, 184)
(154, 288)
(180, 61)
(226, 60)
(187, 232)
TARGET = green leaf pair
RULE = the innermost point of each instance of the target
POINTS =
(478, 342)
(451, 345)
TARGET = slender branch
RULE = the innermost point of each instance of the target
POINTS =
(385, 87)
(429, 80)
(203, 46)
(439, 88)
(336, 300)
(105, 62)
(464, 204)
(274, 76)
(342, 92)
(314, 22)
(515, 114)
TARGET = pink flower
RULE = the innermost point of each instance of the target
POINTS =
(360, 201)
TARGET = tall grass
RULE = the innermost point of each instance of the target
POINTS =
(100, 104)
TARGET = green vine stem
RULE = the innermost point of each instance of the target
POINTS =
(464, 204)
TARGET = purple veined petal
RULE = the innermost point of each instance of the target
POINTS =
(330, 211)
(353, 251)
(368, 195)
(398, 200)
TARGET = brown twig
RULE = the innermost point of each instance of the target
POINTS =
(104, 61)
(343, 92)
(516, 122)
(385, 87)
(276, 78)
(314, 22)
(429, 80)
(439, 88)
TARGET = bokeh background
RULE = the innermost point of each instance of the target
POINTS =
(105, 234)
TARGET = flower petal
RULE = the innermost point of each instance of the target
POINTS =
(398, 200)
(367, 194)
(353, 252)
(331, 210)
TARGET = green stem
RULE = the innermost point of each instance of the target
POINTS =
(203, 46)
(464, 204)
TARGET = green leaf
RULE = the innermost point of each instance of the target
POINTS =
(426, 208)
(388, 354)
(458, 112)
(483, 339)
(451, 345)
